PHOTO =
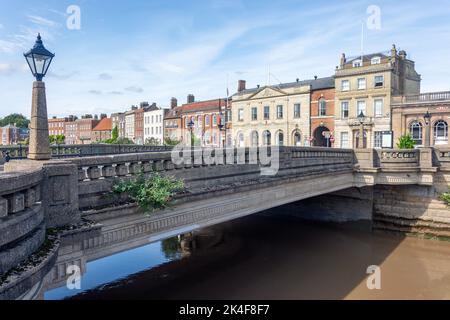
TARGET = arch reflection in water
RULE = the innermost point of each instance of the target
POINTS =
(119, 266)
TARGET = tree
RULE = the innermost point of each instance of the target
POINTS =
(171, 142)
(406, 142)
(115, 134)
(57, 139)
(152, 142)
(19, 120)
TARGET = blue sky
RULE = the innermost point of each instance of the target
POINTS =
(151, 50)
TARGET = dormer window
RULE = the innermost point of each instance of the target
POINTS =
(375, 60)
(357, 63)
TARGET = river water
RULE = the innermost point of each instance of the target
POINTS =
(271, 257)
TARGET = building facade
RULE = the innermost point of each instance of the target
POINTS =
(207, 118)
(366, 85)
(57, 126)
(154, 125)
(130, 125)
(172, 122)
(10, 135)
(71, 132)
(118, 121)
(275, 115)
(322, 115)
(102, 130)
(85, 127)
(408, 117)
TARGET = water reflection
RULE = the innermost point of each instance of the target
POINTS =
(118, 267)
(262, 257)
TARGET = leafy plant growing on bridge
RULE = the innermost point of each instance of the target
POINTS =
(446, 197)
(149, 192)
(406, 142)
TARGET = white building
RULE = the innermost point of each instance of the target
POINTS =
(154, 125)
(130, 125)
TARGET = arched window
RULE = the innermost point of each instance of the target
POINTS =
(416, 132)
(200, 121)
(207, 121)
(280, 138)
(441, 132)
(267, 138)
(322, 108)
(255, 139)
(297, 139)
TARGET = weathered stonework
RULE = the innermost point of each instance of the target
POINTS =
(39, 146)
(3, 207)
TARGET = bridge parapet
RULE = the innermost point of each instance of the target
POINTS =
(21, 217)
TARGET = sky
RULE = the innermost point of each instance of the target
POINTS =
(125, 52)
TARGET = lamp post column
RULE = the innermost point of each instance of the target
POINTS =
(361, 137)
(39, 147)
(427, 135)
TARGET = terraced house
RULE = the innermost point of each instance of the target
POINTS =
(276, 115)
(365, 85)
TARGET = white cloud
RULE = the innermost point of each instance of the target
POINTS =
(41, 21)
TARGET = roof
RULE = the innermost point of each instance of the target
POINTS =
(104, 125)
(208, 105)
(316, 84)
(368, 57)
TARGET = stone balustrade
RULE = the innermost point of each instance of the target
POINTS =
(22, 226)
(399, 158)
(442, 158)
(70, 151)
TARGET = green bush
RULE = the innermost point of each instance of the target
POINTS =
(446, 197)
(406, 142)
(150, 193)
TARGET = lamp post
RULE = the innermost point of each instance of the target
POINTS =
(427, 118)
(361, 119)
(39, 60)
(222, 128)
(191, 125)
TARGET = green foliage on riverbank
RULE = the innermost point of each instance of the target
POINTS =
(446, 197)
(149, 192)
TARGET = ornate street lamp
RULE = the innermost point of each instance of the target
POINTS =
(39, 60)
(191, 125)
(427, 118)
(222, 128)
(361, 119)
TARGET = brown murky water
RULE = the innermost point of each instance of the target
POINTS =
(263, 257)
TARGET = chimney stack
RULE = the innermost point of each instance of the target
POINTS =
(242, 85)
(191, 98)
(343, 61)
(316, 77)
(173, 103)
(103, 116)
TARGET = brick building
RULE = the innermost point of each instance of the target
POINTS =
(85, 127)
(322, 115)
(102, 130)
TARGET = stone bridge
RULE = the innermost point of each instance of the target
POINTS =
(232, 183)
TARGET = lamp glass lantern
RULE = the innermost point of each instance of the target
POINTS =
(361, 118)
(39, 59)
(427, 118)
